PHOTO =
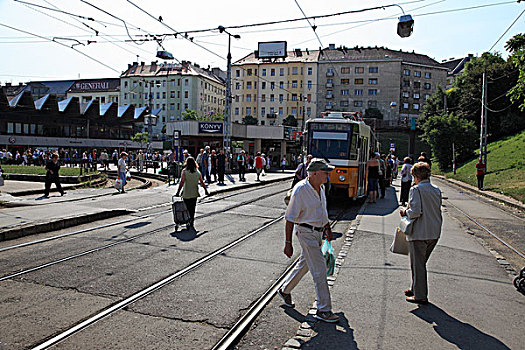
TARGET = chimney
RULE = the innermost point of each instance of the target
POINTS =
(142, 64)
(196, 65)
(307, 52)
(7, 84)
(331, 46)
(135, 63)
(153, 66)
(129, 66)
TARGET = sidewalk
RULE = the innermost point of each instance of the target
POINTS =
(473, 304)
(96, 204)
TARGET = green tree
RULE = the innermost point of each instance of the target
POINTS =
(189, 114)
(440, 131)
(373, 112)
(516, 46)
(290, 121)
(249, 120)
(141, 138)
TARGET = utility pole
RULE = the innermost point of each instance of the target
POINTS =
(483, 129)
(150, 126)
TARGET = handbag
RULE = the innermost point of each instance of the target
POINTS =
(400, 243)
(406, 225)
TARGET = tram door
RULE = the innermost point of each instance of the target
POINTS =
(363, 152)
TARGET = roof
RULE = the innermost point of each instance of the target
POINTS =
(456, 65)
(292, 56)
(375, 53)
(167, 69)
(57, 87)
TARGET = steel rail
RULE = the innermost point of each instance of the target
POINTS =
(129, 239)
(489, 231)
(98, 227)
(141, 294)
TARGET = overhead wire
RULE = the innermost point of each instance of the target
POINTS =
(505, 32)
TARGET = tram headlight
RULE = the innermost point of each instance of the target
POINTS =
(342, 178)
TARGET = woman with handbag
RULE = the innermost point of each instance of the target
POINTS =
(424, 209)
(406, 180)
(189, 184)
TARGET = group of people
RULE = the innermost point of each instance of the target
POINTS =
(307, 217)
(381, 170)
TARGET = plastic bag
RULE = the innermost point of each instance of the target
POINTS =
(118, 184)
(128, 176)
(329, 257)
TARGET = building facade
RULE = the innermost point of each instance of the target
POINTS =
(171, 89)
(270, 90)
(396, 83)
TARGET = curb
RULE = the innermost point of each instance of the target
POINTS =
(470, 188)
(255, 184)
(65, 187)
(59, 224)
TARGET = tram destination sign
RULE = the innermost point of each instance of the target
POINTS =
(210, 128)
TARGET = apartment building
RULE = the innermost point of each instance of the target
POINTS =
(170, 89)
(273, 89)
(397, 83)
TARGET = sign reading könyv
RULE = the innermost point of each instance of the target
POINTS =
(210, 128)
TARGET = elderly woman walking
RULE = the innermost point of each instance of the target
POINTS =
(189, 184)
(424, 206)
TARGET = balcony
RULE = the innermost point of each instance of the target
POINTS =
(327, 107)
(329, 85)
(329, 96)
(329, 74)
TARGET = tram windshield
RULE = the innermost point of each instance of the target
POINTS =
(335, 141)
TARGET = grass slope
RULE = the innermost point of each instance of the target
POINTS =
(505, 165)
(40, 170)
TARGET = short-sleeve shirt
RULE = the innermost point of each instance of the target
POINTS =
(122, 165)
(306, 206)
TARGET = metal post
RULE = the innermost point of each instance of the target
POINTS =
(150, 127)
(226, 143)
(483, 129)
(454, 158)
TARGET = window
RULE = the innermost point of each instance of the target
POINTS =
(417, 85)
(309, 98)
(249, 72)
(272, 98)
(163, 106)
(186, 82)
(248, 85)
(294, 83)
(272, 85)
(272, 72)
(186, 94)
(372, 81)
(406, 83)
(281, 97)
(272, 110)
(417, 73)
(10, 128)
(373, 70)
(281, 85)
(263, 85)
(158, 95)
(427, 86)
(358, 92)
(172, 82)
(280, 111)
(329, 71)
(428, 75)
(372, 103)
(178, 94)
(358, 103)
(248, 111)
(295, 71)
(426, 96)
(345, 81)
(172, 106)
(238, 73)
(405, 94)
(343, 103)
(125, 95)
(372, 91)
(308, 111)
(359, 70)
(172, 94)
(134, 84)
(345, 92)
(345, 70)
(415, 106)
(294, 97)
(358, 81)
(263, 111)
(236, 110)
(126, 84)
(405, 105)
(237, 86)
(281, 72)
(294, 110)
(309, 84)
(164, 94)
(264, 72)
(248, 98)
(416, 95)
(263, 98)
(310, 71)
(406, 72)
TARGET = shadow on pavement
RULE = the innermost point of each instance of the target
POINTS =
(461, 334)
(187, 234)
(384, 206)
(138, 225)
(293, 313)
(331, 336)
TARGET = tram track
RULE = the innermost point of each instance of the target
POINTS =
(231, 336)
(141, 217)
(118, 242)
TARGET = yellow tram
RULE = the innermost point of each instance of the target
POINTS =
(345, 142)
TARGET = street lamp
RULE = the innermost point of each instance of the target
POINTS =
(226, 141)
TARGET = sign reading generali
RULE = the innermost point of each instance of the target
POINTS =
(96, 85)
(210, 128)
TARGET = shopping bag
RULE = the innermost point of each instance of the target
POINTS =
(128, 176)
(329, 257)
(118, 184)
(400, 243)
(406, 225)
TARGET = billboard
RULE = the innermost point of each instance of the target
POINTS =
(271, 49)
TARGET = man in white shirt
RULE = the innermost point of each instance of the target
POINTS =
(307, 214)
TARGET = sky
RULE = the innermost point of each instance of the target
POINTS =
(38, 44)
